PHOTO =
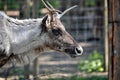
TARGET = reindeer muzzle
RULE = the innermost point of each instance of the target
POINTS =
(75, 51)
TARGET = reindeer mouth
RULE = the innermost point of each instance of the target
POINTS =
(71, 52)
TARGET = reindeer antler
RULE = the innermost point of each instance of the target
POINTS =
(52, 10)
(46, 5)
(63, 13)
(49, 9)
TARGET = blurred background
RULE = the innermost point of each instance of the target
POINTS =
(87, 24)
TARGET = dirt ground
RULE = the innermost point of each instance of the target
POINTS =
(52, 65)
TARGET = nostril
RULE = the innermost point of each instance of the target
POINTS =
(78, 51)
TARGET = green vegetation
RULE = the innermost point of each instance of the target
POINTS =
(79, 78)
(90, 2)
(11, 4)
(19, 72)
(1, 5)
(14, 4)
(54, 3)
(94, 63)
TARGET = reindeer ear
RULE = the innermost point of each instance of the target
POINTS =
(46, 22)
(49, 21)
(49, 18)
(43, 24)
(44, 19)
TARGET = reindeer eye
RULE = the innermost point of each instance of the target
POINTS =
(57, 32)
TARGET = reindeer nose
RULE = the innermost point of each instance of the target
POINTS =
(78, 50)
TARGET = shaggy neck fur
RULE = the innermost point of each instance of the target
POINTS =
(23, 34)
(22, 38)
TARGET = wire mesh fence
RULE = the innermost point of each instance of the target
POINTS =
(84, 23)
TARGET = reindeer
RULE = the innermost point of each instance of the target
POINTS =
(24, 40)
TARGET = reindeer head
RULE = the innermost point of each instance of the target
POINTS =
(57, 38)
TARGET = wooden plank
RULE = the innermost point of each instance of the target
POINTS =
(12, 13)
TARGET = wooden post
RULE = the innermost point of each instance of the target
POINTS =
(5, 6)
(112, 76)
(35, 8)
(27, 15)
(106, 33)
(27, 10)
(117, 14)
(113, 41)
(36, 62)
(36, 69)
